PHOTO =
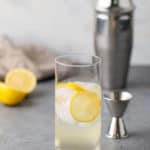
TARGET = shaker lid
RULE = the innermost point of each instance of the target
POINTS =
(106, 5)
(103, 4)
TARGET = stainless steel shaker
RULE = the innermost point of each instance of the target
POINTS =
(113, 40)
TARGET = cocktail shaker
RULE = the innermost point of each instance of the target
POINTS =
(113, 40)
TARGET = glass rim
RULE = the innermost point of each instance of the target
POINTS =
(57, 61)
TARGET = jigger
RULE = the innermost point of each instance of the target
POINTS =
(117, 102)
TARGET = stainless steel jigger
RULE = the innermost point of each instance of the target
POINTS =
(117, 102)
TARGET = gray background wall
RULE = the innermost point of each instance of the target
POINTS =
(67, 25)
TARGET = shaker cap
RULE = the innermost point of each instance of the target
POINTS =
(106, 5)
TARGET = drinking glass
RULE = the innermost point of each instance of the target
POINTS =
(77, 102)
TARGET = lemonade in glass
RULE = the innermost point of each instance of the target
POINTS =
(78, 102)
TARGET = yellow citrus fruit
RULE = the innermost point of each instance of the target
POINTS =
(60, 84)
(10, 96)
(21, 79)
(70, 85)
(85, 106)
(74, 86)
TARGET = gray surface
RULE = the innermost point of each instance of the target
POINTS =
(30, 126)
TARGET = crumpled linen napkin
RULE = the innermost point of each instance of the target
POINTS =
(38, 59)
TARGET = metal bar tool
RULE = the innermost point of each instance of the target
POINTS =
(117, 102)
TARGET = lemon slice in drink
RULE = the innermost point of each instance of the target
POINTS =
(84, 103)
(21, 79)
(10, 96)
(70, 85)
(74, 86)
(85, 106)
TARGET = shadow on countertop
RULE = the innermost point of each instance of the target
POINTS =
(139, 76)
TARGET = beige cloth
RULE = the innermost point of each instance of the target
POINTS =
(37, 59)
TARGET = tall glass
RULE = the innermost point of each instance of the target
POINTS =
(77, 102)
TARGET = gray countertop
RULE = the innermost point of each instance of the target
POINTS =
(30, 125)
